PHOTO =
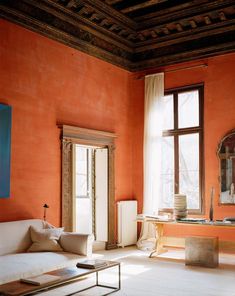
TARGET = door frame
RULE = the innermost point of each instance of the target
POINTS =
(71, 135)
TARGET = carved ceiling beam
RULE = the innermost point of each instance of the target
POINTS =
(102, 21)
(85, 41)
(112, 2)
(199, 22)
(186, 10)
(141, 5)
(181, 37)
(85, 23)
(192, 54)
(111, 12)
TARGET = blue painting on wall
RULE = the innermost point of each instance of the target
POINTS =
(5, 150)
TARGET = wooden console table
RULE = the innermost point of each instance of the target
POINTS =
(159, 224)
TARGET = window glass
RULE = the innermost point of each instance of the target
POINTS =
(168, 119)
(81, 171)
(81, 160)
(167, 173)
(188, 109)
(189, 168)
(81, 185)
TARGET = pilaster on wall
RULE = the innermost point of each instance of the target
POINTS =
(67, 185)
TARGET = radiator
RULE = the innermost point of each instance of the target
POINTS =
(127, 224)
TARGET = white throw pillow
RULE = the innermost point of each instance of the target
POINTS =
(45, 240)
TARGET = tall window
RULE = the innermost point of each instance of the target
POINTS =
(182, 147)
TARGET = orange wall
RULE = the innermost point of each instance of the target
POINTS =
(219, 118)
(47, 83)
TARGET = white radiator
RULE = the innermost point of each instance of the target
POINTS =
(127, 224)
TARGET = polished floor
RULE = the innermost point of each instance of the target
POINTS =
(163, 276)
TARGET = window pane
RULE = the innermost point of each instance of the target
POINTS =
(83, 215)
(168, 119)
(167, 173)
(188, 108)
(81, 160)
(81, 185)
(81, 171)
(189, 168)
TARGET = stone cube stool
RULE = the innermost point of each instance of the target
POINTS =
(202, 251)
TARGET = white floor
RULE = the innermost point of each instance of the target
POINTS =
(163, 276)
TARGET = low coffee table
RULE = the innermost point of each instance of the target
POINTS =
(67, 275)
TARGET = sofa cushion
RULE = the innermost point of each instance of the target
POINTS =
(15, 236)
(45, 240)
(16, 266)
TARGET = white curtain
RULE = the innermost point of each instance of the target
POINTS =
(153, 119)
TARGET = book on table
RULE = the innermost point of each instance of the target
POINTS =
(92, 264)
(41, 279)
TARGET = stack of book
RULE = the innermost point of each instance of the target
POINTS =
(92, 264)
(41, 279)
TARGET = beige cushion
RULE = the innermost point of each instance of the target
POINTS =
(45, 240)
(15, 236)
(77, 243)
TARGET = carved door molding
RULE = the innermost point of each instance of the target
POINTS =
(71, 135)
(67, 185)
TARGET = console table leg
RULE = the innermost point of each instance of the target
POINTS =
(119, 277)
(159, 241)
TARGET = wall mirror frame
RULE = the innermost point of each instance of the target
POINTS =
(71, 135)
(226, 156)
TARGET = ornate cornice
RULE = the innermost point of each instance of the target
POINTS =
(190, 30)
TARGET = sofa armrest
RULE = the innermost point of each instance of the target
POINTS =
(77, 243)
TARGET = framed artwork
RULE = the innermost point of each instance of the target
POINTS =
(5, 150)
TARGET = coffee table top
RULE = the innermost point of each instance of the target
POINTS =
(67, 275)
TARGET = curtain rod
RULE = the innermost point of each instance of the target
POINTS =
(173, 70)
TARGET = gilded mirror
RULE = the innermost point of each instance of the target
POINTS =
(226, 154)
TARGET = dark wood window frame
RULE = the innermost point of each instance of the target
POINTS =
(176, 132)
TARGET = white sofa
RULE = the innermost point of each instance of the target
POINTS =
(16, 263)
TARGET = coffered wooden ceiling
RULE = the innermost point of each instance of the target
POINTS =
(135, 35)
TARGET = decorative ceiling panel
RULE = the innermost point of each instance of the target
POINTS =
(135, 35)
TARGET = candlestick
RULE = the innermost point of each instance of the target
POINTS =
(45, 213)
(211, 204)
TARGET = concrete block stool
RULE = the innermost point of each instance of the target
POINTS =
(202, 251)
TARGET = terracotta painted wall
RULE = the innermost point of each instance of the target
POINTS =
(219, 118)
(47, 83)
